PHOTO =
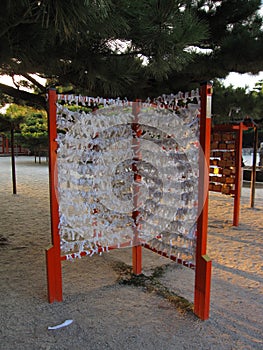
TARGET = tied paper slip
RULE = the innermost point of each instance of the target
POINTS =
(64, 324)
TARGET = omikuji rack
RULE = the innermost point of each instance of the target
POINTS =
(226, 161)
(203, 263)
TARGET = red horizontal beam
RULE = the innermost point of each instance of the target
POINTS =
(96, 250)
(171, 257)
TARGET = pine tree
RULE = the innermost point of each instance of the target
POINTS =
(167, 44)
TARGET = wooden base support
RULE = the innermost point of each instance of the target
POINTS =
(54, 275)
(202, 287)
(137, 260)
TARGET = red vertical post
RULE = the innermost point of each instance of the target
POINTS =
(6, 146)
(53, 254)
(254, 169)
(203, 262)
(13, 159)
(238, 146)
(136, 249)
(2, 143)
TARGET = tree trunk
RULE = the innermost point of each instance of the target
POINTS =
(13, 160)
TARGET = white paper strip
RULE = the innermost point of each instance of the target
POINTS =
(96, 159)
(64, 324)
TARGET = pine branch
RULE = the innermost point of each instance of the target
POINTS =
(18, 95)
(35, 82)
(24, 19)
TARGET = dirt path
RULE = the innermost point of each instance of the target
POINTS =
(110, 315)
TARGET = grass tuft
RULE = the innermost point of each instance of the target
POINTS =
(152, 285)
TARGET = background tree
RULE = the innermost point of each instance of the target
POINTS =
(9, 123)
(29, 125)
(234, 105)
(13, 117)
(33, 132)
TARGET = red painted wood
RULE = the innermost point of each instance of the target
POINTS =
(171, 257)
(238, 129)
(203, 262)
(238, 184)
(137, 249)
(53, 259)
(6, 145)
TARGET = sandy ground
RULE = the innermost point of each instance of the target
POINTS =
(110, 315)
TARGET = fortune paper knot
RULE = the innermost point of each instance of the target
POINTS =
(107, 170)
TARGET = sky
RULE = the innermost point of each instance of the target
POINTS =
(242, 80)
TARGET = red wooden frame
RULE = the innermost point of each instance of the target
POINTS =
(238, 129)
(203, 263)
(53, 254)
(5, 146)
(137, 248)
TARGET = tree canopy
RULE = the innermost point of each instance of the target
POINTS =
(29, 124)
(132, 48)
(232, 105)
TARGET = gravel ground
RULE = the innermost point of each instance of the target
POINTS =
(107, 314)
